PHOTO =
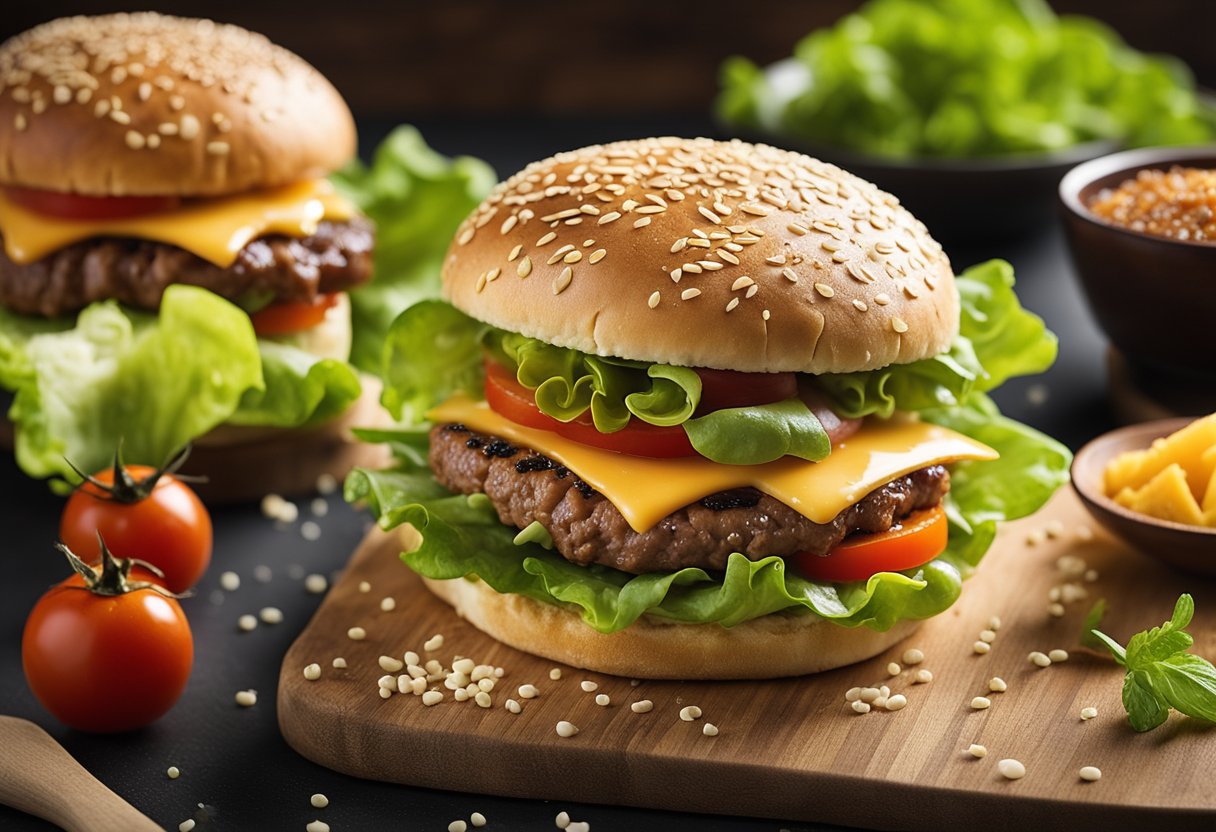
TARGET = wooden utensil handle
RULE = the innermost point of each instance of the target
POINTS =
(39, 777)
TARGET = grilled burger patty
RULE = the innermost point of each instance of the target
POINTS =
(526, 486)
(136, 272)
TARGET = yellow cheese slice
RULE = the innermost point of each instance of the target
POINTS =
(214, 229)
(647, 490)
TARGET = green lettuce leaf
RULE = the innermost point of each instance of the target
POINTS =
(760, 433)
(432, 351)
(417, 198)
(997, 340)
(155, 381)
(965, 78)
(299, 389)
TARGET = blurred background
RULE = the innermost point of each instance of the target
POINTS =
(549, 58)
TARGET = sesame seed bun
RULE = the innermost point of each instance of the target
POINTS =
(145, 104)
(653, 648)
(703, 253)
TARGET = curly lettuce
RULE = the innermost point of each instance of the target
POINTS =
(966, 78)
(155, 381)
(417, 198)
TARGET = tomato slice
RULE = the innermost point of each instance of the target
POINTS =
(293, 315)
(722, 389)
(507, 397)
(917, 540)
(70, 206)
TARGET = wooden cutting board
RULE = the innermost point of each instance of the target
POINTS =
(789, 749)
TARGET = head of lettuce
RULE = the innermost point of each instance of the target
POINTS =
(705, 409)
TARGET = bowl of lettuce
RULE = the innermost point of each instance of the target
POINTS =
(948, 102)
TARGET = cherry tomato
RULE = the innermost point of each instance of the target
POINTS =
(723, 389)
(292, 316)
(916, 541)
(107, 662)
(70, 206)
(507, 397)
(168, 527)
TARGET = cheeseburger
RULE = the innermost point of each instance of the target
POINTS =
(175, 264)
(704, 409)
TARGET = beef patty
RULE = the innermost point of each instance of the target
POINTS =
(526, 486)
(136, 272)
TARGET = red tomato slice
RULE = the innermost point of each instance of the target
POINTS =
(69, 206)
(507, 397)
(723, 389)
(915, 542)
(293, 315)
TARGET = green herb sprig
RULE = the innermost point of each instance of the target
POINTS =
(1161, 674)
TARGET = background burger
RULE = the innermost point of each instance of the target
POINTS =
(705, 409)
(174, 260)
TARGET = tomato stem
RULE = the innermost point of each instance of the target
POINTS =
(114, 576)
(128, 490)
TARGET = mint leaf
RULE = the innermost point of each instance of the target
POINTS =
(1092, 621)
(1160, 673)
(1188, 683)
(1144, 710)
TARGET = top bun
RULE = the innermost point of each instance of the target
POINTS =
(701, 253)
(144, 104)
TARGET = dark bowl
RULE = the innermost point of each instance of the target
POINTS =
(1154, 297)
(1188, 548)
(962, 201)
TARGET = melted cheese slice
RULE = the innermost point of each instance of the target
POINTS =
(214, 229)
(647, 490)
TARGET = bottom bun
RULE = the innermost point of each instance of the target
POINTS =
(246, 464)
(654, 648)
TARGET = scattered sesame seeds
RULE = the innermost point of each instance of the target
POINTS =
(897, 702)
(566, 729)
(1011, 769)
(861, 707)
(642, 706)
(977, 751)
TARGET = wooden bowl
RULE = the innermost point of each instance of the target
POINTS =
(1188, 548)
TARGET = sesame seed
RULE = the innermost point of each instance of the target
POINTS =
(271, 615)
(555, 673)
(741, 283)
(976, 750)
(689, 294)
(339, 663)
(981, 647)
(312, 672)
(709, 215)
(319, 801)
(61, 94)
(765, 314)
(597, 255)
(997, 685)
(562, 821)
(893, 669)
(727, 256)
(690, 713)
(653, 301)
(218, 148)
(1090, 774)
(571, 257)
(173, 772)
(913, 656)
(676, 274)
(1056, 610)
(899, 325)
(477, 819)
(825, 290)
(189, 127)
(988, 636)
(433, 643)
(924, 676)
(230, 581)
(566, 729)
(482, 699)
(1011, 769)
(1089, 713)
(356, 633)
(734, 302)
(642, 706)
(508, 224)
(563, 280)
(246, 698)
(316, 584)
(1039, 659)
(861, 707)
(860, 304)
(981, 703)
(317, 826)
(897, 702)
(545, 239)
(528, 692)
(432, 697)
(611, 216)
(390, 664)
(1058, 655)
(994, 623)
(525, 267)
(246, 623)
(135, 140)
(602, 700)
(679, 245)
(364, 586)
(789, 274)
